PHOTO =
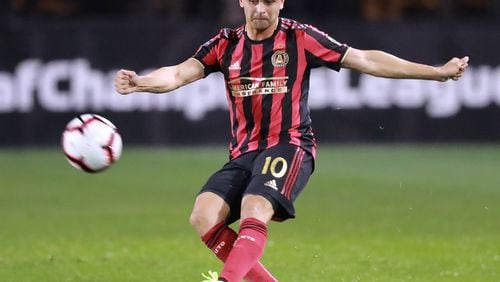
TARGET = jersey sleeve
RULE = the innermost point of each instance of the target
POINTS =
(207, 55)
(322, 50)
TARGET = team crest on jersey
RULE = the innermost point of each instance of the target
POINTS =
(280, 59)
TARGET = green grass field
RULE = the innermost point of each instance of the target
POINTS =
(369, 213)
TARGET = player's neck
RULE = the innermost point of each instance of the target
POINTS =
(259, 35)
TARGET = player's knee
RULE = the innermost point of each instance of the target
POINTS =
(197, 219)
(201, 221)
(257, 207)
(209, 209)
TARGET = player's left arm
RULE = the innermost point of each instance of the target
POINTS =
(382, 64)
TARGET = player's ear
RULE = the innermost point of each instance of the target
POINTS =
(282, 4)
(241, 3)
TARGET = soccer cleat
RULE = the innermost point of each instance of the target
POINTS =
(211, 277)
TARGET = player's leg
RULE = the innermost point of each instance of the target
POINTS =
(217, 205)
(209, 210)
(279, 175)
(251, 239)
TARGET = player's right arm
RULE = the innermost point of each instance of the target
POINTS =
(162, 80)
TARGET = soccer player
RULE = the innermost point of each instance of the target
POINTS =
(266, 64)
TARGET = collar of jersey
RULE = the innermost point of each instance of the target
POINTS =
(263, 40)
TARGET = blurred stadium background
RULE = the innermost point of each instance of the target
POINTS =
(58, 58)
(407, 181)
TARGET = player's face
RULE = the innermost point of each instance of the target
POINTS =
(261, 14)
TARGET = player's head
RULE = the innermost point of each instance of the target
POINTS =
(261, 14)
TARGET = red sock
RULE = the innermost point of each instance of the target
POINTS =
(220, 240)
(246, 251)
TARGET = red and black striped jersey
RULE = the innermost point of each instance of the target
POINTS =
(267, 82)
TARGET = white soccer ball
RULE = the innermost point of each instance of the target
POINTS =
(91, 143)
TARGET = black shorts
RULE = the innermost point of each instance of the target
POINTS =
(278, 174)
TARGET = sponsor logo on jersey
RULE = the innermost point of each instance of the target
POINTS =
(249, 86)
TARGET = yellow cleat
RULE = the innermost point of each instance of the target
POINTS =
(210, 277)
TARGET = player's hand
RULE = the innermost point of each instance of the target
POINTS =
(126, 81)
(454, 68)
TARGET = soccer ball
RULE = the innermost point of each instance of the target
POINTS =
(91, 143)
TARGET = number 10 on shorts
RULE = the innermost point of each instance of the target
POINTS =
(271, 165)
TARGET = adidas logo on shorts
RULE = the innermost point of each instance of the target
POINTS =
(271, 184)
